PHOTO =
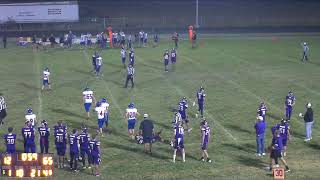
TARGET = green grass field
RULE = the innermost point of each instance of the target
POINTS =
(238, 71)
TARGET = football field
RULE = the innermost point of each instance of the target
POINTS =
(237, 72)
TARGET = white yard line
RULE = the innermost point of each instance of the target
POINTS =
(209, 115)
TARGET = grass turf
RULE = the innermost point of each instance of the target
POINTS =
(237, 72)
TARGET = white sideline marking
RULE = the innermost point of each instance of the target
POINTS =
(181, 93)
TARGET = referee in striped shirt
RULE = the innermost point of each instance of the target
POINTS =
(3, 107)
(130, 76)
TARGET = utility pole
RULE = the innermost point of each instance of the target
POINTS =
(197, 13)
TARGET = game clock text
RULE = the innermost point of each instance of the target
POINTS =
(27, 165)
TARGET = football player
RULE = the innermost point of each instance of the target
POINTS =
(276, 148)
(123, 57)
(183, 106)
(176, 119)
(262, 109)
(178, 141)
(173, 56)
(284, 130)
(60, 135)
(166, 60)
(95, 154)
(28, 138)
(289, 103)
(131, 57)
(84, 147)
(205, 133)
(105, 105)
(31, 118)
(46, 79)
(101, 116)
(98, 66)
(88, 98)
(94, 61)
(10, 141)
(74, 150)
(131, 115)
(200, 96)
(305, 52)
(44, 132)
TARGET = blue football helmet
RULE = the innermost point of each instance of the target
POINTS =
(131, 105)
(98, 104)
(44, 123)
(104, 100)
(29, 111)
(87, 88)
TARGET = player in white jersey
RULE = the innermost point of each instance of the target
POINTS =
(123, 57)
(88, 98)
(105, 105)
(31, 118)
(98, 66)
(46, 79)
(101, 116)
(131, 116)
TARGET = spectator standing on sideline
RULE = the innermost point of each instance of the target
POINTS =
(52, 41)
(3, 107)
(194, 39)
(260, 127)
(147, 132)
(4, 40)
(308, 121)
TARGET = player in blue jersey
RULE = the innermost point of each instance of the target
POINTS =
(276, 148)
(200, 96)
(84, 139)
(178, 141)
(182, 109)
(131, 57)
(60, 135)
(262, 109)
(44, 132)
(289, 103)
(74, 149)
(284, 130)
(101, 116)
(46, 79)
(166, 57)
(95, 155)
(28, 138)
(173, 56)
(10, 141)
(131, 115)
(88, 98)
(123, 56)
(205, 138)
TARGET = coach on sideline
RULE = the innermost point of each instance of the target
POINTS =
(146, 131)
(3, 107)
(308, 120)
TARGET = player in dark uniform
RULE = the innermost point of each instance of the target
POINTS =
(194, 39)
(28, 138)
(173, 56)
(289, 103)
(205, 134)
(60, 134)
(131, 57)
(284, 130)
(276, 148)
(44, 132)
(94, 61)
(166, 60)
(178, 141)
(182, 109)
(95, 154)
(201, 98)
(10, 141)
(84, 147)
(262, 109)
(74, 150)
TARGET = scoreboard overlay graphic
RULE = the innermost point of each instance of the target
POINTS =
(27, 165)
